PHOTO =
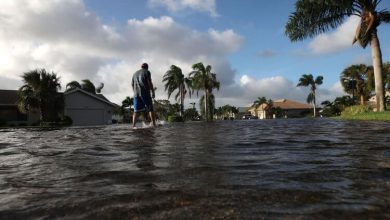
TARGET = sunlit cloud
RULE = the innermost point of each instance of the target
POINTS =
(336, 41)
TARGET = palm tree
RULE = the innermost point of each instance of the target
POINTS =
(308, 80)
(88, 86)
(270, 109)
(355, 81)
(73, 85)
(259, 101)
(40, 92)
(226, 111)
(203, 79)
(85, 85)
(315, 17)
(175, 80)
(127, 102)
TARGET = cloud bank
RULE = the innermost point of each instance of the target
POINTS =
(62, 36)
(277, 87)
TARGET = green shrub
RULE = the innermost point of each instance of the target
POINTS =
(49, 124)
(35, 124)
(175, 118)
(66, 121)
(355, 110)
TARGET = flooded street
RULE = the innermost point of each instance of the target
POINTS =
(255, 169)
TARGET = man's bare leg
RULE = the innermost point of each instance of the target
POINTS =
(134, 118)
(153, 118)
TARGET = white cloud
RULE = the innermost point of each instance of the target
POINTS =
(336, 90)
(63, 37)
(208, 6)
(362, 59)
(267, 53)
(248, 89)
(336, 41)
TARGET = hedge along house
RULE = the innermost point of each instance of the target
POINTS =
(85, 108)
(9, 112)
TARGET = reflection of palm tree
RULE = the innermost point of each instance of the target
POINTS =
(315, 17)
(203, 79)
(175, 80)
(308, 80)
(40, 91)
(355, 80)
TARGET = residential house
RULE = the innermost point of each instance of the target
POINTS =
(85, 108)
(293, 109)
(290, 109)
(9, 112)
(260, 112)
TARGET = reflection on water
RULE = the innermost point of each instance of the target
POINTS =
(235, 169)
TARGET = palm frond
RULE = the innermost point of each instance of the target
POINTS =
(319, 80)
(72, 85)
(384, 16)
(306, 80)
(315, 17)
(310, 98)
(88, 86)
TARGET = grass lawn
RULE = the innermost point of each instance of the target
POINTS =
(370, 116)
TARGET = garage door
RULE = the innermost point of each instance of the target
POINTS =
(86, 116)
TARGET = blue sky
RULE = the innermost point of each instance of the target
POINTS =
(243, 40)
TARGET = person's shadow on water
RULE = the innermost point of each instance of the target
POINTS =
(145, 149)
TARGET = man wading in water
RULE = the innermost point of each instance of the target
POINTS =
(142, 86)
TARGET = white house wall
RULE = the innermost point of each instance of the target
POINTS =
(86, 110)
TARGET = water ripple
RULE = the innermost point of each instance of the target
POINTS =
(266, 169)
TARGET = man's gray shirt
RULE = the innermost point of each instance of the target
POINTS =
(140, 82)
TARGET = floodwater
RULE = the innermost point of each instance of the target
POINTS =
(256, 169)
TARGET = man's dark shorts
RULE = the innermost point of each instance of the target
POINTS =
(143, 103)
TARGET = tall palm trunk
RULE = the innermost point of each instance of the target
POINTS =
(181, 100)
(377, 64)
(314, 103)
(44, 112)
(205, 105)
(361, 99)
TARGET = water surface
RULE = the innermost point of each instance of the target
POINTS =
(256, 169)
